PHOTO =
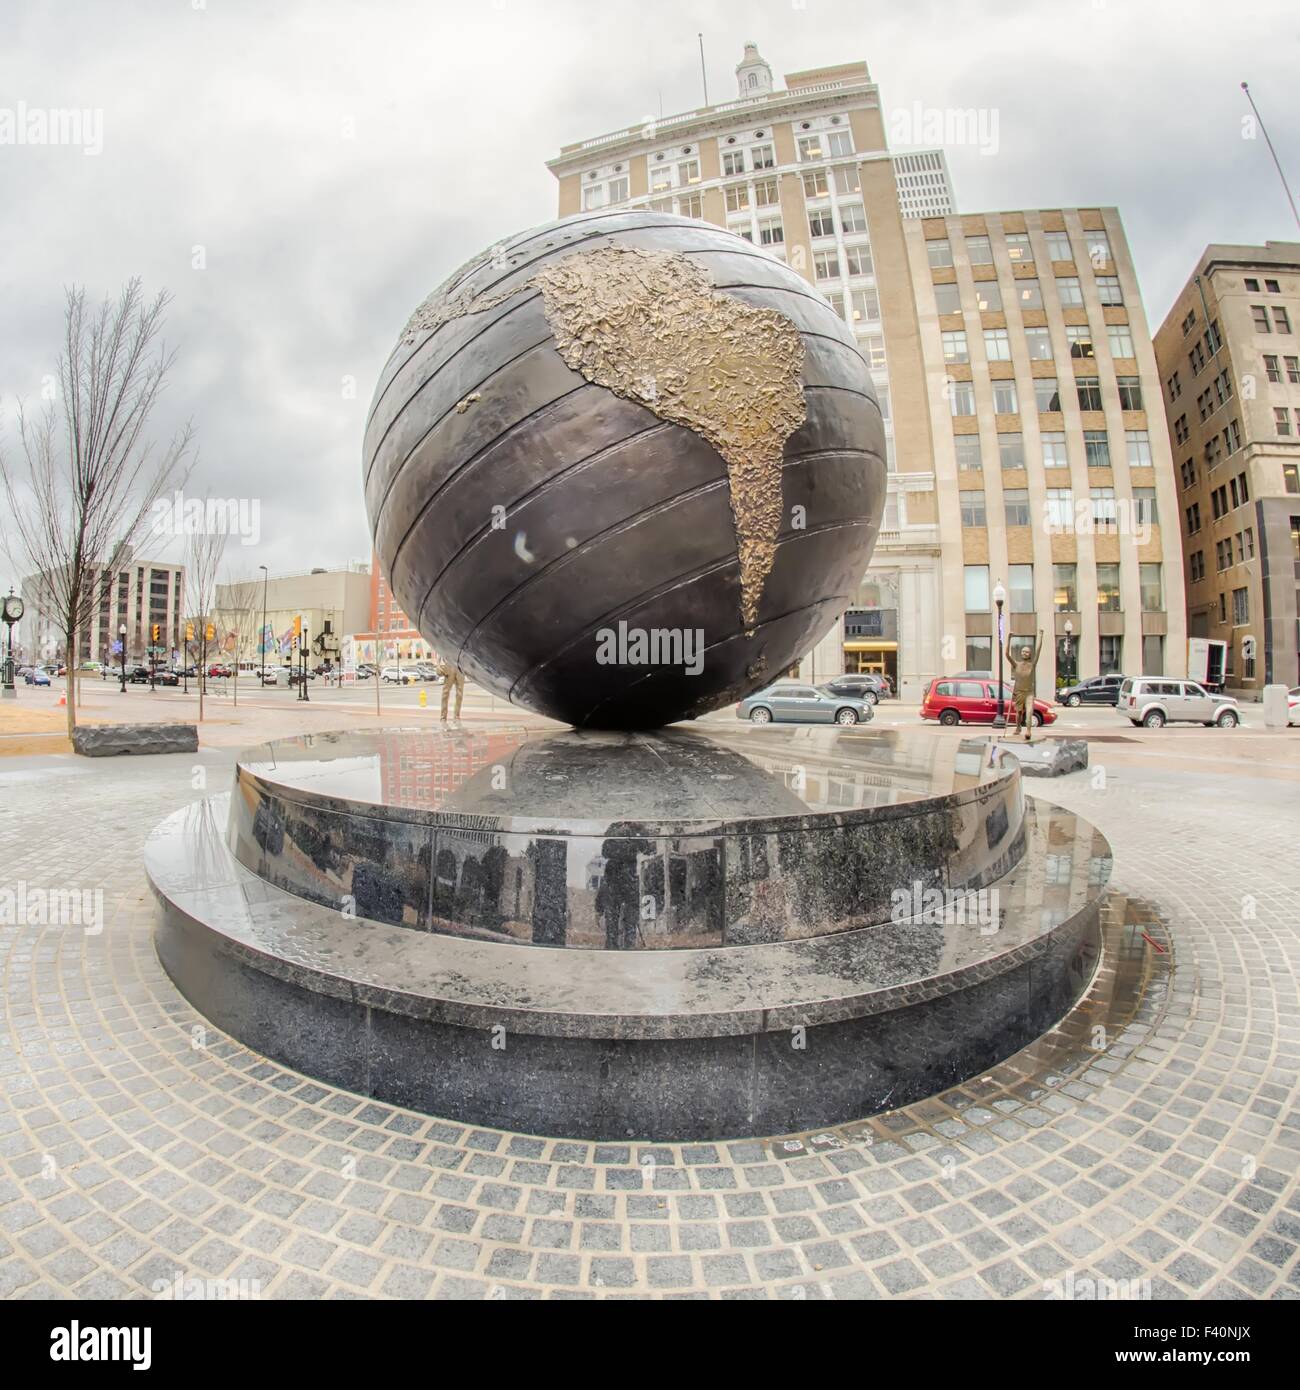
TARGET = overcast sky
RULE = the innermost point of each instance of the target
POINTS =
(335, 159)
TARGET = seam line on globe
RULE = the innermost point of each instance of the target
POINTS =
(712, 567)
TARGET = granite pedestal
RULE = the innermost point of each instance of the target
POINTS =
(697, 933)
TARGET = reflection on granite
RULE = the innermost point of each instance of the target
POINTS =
(751, 1039)
(614, 841)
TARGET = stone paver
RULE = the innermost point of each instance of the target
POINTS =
(1152, 1138)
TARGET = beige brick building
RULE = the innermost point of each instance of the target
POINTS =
(1053, 479)
(992, 477)
(1229, 357)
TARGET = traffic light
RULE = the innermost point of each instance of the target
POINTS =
(210, 632)
(189, 632)
(155, 632)
(297, 631)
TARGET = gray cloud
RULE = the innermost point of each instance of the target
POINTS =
(334, 159)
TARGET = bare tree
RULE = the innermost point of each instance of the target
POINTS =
(88, 474)
(202, 567)
(241, 615)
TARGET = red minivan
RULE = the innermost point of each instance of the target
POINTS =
(965, 700)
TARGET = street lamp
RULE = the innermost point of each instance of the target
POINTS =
(999, 598)
(121, 642)
(265, 577)
(302, 674)
(13, 612)
(1069, 648)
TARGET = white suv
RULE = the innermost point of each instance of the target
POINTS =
(1155, 701)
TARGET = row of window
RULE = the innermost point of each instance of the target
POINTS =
(1282, 423)
(979, 249)
(1281, 320)
(1028, 294)
(1273, 369)
(1096, 444)
(1060, 509)
(1223, 551)
(1038, 343)
(1224, 499)
(1047, 395)
(1065, 598)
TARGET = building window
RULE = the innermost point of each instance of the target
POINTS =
(997, 346)
(1004, 398)
(1069, 292)
(846, 179)
(1291, 479)
(1271, 368)
(1108, 589)
(1038, 343)
(691, 206)
(737, 197)
(688, 172)
(1144, 506)
(1108, 290)
(1260, 315)
(1240, 607)
(968, 452)
(954, 346)
(814, 184)
(1089, 389)
(1121, 341)
(1196, 566)
(1138, 443)
(979, 654)
(766, 194)
(874, 346)
(1018, 249)
(988, 296)
(733, 163)
(1015, 501)
(1103, 508)
(865, 306)
(1293, 370)
(852, 218)
(1029, 293)
(1099, 252)
(1096, 448)
(1054, 455)
(1079, 337)
(1060, 510)
(1280, 320)
(1108, 654)
(761, 157)
(979, 250)
(771, 232)
(858, 259)
(618, 190)
(1058, 246)
(962, 398)
(839, 143)
(947, 299)
(972, 509)
(810, 147)
(1011, 450)
(821, 223)
(976, 578)
(826, 265)
(1020, 586)
(1130, 392)
(1281, 419)
(1065, 596)
(939, 253)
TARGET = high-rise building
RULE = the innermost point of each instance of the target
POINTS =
(805, 174)
(1055, 478)
(924, 189)
(1229, 358)
(138, 594)
(1011, 357)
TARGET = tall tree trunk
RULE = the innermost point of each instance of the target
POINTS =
(71, 680)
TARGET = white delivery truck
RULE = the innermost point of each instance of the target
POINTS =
(1207, 662)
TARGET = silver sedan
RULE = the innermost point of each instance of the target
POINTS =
(794, 702)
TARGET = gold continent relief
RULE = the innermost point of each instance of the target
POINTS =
(650, 327)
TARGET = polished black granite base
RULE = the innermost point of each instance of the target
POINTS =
(736, 1036)
(670, 840)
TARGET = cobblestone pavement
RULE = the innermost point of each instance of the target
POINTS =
(1153, 1138)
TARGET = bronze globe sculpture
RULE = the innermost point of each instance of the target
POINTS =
(624, 468)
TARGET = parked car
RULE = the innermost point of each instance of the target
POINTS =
(958, 700)
(869, 687)
(793, 701)
(1293, 705)
(1100, 690)
(219, 668)
(34, 675)
(398, 675)
(1154, 701)
(167, 678)
(296, 677)
(271, 676)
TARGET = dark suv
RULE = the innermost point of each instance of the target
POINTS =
(869, 687)
(1100, 690)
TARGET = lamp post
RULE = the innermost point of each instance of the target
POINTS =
(999, 598)
(121, 642)
(262, 643)
(1069, 648)
(302, 675)
(13, 612)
